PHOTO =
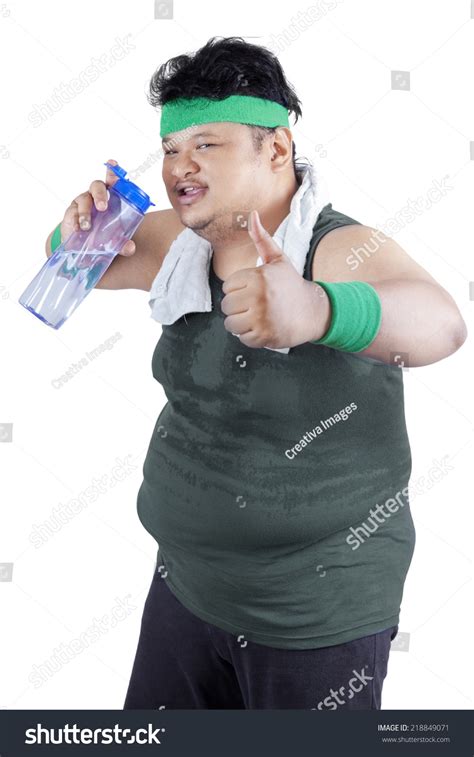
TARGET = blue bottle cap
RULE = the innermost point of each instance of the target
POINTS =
(130, 191)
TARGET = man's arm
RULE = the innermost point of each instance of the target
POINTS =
(153, 239)
(419, 317)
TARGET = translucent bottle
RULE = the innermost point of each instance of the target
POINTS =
(76, 266)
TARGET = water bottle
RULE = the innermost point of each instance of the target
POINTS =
(76, 266)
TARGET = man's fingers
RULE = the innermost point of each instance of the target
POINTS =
(83, 206)
(70, 221)
(110, 176)
(98, 190)
(78, 215)
(128, 248)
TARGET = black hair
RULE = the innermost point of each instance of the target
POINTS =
(223, 67)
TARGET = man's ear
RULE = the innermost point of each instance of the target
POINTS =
(281, 148)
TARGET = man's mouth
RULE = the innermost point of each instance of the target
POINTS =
(189, 195)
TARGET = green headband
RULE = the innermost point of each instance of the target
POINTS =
(182, 112)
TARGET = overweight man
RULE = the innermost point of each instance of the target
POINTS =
(276, 482)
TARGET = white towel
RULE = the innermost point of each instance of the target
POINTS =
(182, 283)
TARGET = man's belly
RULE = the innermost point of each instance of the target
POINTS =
(206, 495)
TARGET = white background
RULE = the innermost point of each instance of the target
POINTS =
(377, 148)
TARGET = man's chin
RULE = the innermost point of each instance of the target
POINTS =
(196, 224)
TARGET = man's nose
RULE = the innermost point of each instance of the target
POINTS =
(182, 165)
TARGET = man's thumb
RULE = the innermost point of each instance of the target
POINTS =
(265, 244)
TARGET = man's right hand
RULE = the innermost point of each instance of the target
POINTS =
(146, 251)
(78, 215)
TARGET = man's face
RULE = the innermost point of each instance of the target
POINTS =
(220, 157)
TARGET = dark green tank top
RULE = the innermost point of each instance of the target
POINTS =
(260, 476)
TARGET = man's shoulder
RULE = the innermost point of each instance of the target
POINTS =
(158, 231)
(332, 232)
(153, 239)
(357, 252)
(338, 248)
(165, 223)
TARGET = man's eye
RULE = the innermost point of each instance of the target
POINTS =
(205, 144)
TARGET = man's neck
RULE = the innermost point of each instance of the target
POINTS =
(233, 255)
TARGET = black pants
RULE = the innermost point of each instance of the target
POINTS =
(182, 662)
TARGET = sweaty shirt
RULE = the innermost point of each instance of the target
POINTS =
(276, 484)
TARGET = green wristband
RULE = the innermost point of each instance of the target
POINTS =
(355, 318)
(56, 238)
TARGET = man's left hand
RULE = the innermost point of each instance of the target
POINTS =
(272, 305)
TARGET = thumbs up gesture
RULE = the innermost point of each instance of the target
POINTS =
(272, 305)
